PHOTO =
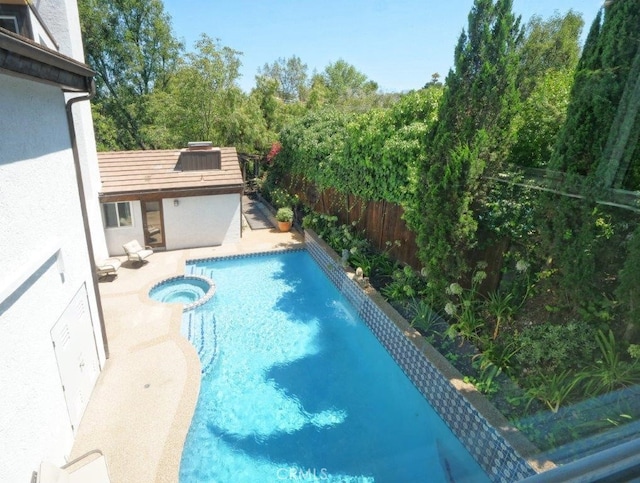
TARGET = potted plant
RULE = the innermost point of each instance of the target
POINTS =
(285, 218)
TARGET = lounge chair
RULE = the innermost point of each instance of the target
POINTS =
(135, 253)
(108, 267)
(90, 467)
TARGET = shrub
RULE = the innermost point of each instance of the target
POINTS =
(339, 237)
(553, 389)
(284, 214)
(548, 348)
(406, 283)
(610, 371)
(281, 199)
(423, 317)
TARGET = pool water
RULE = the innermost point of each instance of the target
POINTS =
(296, 388)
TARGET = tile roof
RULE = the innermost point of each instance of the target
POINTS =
(142, 171)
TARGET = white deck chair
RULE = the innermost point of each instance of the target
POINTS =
(109, 266)
(91, 467)
(135, 252)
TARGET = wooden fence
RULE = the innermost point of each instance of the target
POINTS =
(380, 221)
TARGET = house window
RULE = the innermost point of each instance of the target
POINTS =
(117, 214)
(16, 19)
(9, 22)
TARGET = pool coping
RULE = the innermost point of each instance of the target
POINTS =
(486, 414)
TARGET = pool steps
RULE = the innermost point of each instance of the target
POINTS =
(193, 329)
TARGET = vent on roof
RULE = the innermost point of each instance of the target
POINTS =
(199, 156)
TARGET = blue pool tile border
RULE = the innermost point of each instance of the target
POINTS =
(238, 255)
(497, 456)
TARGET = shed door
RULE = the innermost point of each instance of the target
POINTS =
(77, 355)
(153, 224)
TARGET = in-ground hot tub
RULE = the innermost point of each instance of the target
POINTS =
(189, 290)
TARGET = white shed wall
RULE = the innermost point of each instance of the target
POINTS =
(116, 237)
(42, 227)
(200, 221)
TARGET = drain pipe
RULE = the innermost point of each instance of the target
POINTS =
(83, 205)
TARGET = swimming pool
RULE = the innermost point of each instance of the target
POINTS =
(296, 387)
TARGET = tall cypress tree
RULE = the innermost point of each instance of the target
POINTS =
(581, 118)
(481, 90)
(597, 141)
(621, 150)
(470, 136)
(595, 114)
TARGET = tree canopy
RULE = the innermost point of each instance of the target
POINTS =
(549, 52)
(202, 102)
(551, 44)
(130, 45)
(290, 76)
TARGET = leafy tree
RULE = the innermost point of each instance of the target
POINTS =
(312, 145)
(416, 106)
(342, 85)
(378, 154)
(548, 45)
(265, 94)
(343, 79)
(275, 111)
(318, 93)
(581, 118)
(130, 45)
(540, 119)
(472, 131)
(373, 155)
(290, 75)
(598, 142)
(435, 81)
(549, 53)
(204, 103)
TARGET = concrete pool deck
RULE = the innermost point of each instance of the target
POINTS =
(141, 407)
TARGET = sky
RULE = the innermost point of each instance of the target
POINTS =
(397, 43)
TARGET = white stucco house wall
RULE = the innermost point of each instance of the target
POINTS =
(171, 199)
(52, 342)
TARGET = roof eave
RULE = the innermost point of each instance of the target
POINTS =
(22, 57)
(183, 191)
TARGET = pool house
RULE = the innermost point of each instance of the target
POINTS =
(171, 199)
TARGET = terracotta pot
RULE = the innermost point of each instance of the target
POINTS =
(284, 225)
